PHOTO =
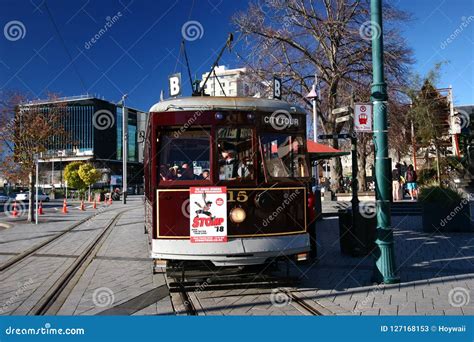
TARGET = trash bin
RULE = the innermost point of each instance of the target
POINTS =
(359, 241)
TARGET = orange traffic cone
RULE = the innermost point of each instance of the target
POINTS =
(82, 208)
(65, 207)
(110, 198)
(14, 211)
(40, 208)
(94, 206)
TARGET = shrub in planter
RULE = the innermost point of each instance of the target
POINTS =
(444, 210)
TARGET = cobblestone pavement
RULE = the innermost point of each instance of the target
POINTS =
(437, 275)
(436, 271)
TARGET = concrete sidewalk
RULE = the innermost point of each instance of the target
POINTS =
(436, 271)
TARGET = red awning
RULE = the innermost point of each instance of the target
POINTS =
(321, 151)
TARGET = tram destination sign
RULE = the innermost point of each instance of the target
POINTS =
(281, 119)
(208, 214)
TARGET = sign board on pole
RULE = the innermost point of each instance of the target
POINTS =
(343, 118)
(363, 118)
(335, 136)
(341, 110)
(175, 84)
(276, 88)
(208, 214)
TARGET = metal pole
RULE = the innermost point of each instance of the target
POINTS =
(124, 149)
(36, 195)
(315, 130)
(385, 269)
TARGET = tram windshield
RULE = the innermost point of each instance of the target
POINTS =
(185, 155)
(236, 153)
(284, 155)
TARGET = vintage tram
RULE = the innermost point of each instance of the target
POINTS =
(227, 181)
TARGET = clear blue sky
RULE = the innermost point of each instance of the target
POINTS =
(142, 45)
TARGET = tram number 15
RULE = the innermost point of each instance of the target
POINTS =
(241, 196)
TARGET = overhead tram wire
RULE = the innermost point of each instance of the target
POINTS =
(64, 46)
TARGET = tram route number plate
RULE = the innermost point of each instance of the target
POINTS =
(208, 214)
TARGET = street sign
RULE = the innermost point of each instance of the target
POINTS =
(335, 136)
(341, 110)
(363, 117)
(343, 118)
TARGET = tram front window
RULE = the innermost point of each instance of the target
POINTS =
(284, 155)
(235, 153)
(184, 155)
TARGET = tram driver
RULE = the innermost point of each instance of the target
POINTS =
(230, 167)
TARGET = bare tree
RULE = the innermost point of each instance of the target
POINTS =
(298, 38)
(26, 131)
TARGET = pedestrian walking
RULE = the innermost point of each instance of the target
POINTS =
(411, 182)
(396, 182)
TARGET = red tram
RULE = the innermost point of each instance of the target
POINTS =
(227, 180)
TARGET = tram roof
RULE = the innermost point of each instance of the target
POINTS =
(224, 103)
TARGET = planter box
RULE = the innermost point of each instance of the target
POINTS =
(444, 218)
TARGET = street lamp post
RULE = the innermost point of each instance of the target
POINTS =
(385, 269)
(36, 193)
(124, 148)
(313, 96)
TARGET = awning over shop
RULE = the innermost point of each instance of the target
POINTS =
(320, 151)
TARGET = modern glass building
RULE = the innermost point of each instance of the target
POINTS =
(94, 129)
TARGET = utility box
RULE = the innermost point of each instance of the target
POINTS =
(360, 240)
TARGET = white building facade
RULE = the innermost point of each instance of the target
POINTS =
(231, 82)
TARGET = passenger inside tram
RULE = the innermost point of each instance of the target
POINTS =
(235, 153)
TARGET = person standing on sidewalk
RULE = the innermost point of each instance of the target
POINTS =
(396, 182)
(411, 181)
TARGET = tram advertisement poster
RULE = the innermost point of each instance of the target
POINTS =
(208, 214)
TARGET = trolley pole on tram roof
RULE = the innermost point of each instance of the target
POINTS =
(385, 269)
(124, 149)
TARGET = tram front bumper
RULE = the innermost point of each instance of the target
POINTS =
(235, 252)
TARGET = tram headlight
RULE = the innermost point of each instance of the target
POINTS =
(237, 215)
(219, 116)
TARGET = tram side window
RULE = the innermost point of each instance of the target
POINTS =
(284, 155)
(184, 155)
(234, 146)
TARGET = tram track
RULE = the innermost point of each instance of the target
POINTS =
(51, 301)
(18, 258)
(184, 291)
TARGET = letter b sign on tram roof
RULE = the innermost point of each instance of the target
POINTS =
(276, 88)
(175, 84)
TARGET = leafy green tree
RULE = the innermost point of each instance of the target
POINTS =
(430, 115)
(72, 177)
(89, 175)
